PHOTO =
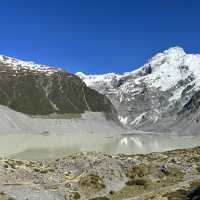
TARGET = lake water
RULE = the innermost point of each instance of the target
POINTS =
(32, 146)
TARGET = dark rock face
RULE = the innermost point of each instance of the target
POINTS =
(193, 104)
(148, 69)
(38, 93)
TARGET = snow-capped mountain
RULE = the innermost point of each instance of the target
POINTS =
(163, 95)
(39, 90)
(37, 98)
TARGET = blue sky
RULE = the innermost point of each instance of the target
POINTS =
(97, 36)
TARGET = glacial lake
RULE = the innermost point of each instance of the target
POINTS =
(36, 147)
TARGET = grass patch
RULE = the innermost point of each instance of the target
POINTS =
(5, 197)
(142, 185)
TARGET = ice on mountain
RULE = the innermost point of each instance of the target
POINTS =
(165, 83)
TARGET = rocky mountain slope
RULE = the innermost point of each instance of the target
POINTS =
(172, 175)
(41, 99)
(162, 96)
(39, 90)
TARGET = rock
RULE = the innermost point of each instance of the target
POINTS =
(164, 169)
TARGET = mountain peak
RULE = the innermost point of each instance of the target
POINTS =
(171, 54)
(151, 97)
(175, 50)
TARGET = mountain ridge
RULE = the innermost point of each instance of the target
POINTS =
(38, 89)
(155, 96)
(37, 98)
